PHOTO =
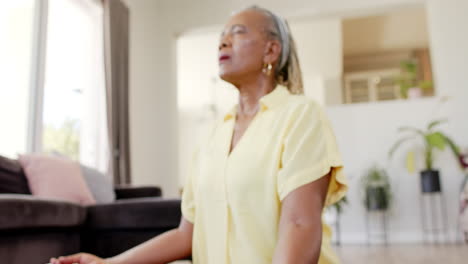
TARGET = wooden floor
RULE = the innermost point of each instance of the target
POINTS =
(404, 254)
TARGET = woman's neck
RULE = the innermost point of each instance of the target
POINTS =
(250, 94)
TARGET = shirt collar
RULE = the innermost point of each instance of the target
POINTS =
(270, 100)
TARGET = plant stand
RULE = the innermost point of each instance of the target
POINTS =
(434, 217)
(382, 233)
(462, 226)
(433, 208)
(338, 229)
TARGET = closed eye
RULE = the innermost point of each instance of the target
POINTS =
(235, 29)
(238, 29)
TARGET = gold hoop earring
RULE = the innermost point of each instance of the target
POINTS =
(267, 68)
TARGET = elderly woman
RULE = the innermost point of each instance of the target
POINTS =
(259, 185)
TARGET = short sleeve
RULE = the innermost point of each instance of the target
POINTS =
(188, 194)
(310, 152)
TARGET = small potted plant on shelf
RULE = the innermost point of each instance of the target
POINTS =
(410, 85)
(431, 140)
(376, 189)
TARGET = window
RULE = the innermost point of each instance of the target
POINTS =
(52, 92)
(74, 117)
(16, 38)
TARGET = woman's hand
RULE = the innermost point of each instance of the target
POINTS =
(80, 258)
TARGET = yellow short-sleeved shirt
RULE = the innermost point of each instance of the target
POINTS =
(234, 200)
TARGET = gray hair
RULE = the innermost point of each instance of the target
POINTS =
(287, 72)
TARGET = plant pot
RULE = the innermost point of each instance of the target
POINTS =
(376, 198)
(430, 181)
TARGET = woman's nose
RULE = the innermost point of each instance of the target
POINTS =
(224, 42)
(222, 45)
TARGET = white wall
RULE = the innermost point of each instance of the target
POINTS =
(197, 73)
(402, 29)
(153, 98)
(365, 132)
(320, 53)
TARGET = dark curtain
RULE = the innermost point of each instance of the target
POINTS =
(116, 50)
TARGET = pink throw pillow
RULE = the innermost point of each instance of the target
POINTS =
(56, 178)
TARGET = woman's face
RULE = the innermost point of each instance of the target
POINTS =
(244, 47)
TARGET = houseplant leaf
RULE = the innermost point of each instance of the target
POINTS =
(436, 139)
(410, 164)
(455, 149)
(436, 123)
(397, 145)
(409, 66)
(432, 140)
(411, 129)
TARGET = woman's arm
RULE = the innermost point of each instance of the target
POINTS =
(170, 246)
(300, 227)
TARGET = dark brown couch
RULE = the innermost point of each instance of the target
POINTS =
(32, 230)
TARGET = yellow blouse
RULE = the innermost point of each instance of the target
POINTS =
(234, 200)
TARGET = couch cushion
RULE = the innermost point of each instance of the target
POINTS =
(9, 165)
(56, 178)
(12, 178)
(26, 211)
(138, 213)
(99, 184)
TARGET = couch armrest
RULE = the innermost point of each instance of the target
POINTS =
(127, 192)
(26, 211)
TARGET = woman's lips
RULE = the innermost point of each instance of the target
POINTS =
(224, 58)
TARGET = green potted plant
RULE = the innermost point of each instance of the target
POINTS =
(410, 85)
(376, 189)
(431, 140)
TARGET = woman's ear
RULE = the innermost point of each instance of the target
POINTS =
(272, 52)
